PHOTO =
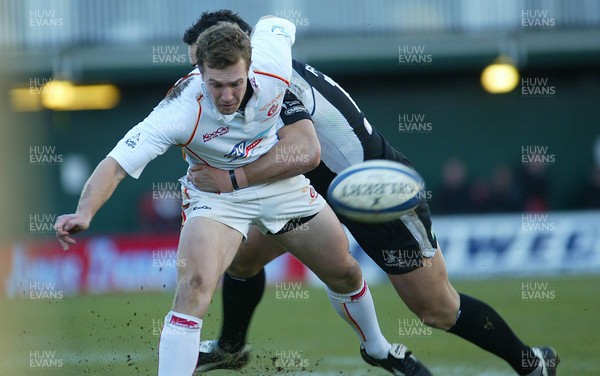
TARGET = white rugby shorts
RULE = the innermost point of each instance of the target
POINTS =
(268, 206)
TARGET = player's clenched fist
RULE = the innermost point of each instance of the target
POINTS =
(67, 225)
(202, 178)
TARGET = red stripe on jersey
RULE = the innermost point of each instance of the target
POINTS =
(197, 122)
(361, 293)
(183, 322)
(362, 335)
(274, 76)
(196, 155)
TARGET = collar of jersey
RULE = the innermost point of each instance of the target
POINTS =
(249, 109)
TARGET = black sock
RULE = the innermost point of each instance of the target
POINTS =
(481, 325)
(240, 298)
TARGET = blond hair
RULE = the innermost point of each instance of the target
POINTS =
(223, 45)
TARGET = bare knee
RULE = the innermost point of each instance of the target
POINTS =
(246, 266)
(437, 307)
(195, 285)
(196, 282)
(193, 294)
(440, 316)
(244, 270)
(345, 280)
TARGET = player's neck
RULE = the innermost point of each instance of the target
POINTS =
(247, 96)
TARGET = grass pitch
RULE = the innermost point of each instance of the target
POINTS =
(297, 334)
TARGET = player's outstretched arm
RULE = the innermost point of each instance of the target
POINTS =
(97, 190)
(297, 151)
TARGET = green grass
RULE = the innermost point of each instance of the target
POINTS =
(118, 334)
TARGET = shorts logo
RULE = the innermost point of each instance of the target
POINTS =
(242, 149)
(404, 258)
(201, 207)
(219, 132)
(391, 257)
(311, 192)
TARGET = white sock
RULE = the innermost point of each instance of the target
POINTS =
(178, 346)
(357, 309)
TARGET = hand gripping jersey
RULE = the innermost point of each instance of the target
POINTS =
(188, 118)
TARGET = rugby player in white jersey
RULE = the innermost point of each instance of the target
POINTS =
(347, 138)
(226, 115)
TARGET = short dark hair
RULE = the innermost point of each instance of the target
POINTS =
(223, 45)
(208, 19)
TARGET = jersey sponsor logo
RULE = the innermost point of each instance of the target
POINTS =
(219, 132)
(242, 149)
(271, 103)
(134, 141)
(291, 103)
(293, 110)
(273, 110)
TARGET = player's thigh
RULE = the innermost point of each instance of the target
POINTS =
(254, 253)
(427, 292)
(206, 248)
(321, 244)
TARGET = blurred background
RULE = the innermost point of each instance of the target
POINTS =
(496, 103)
(414, 68)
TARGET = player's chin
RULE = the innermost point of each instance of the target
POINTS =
(228, 109)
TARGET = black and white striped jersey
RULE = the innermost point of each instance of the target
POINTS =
(345, 135)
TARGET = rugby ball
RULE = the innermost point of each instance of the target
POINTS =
(376, 191)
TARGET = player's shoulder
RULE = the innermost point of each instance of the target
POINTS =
(184, 95)
(272, 41)
(275, 27)
(190, 82)
(177, 113)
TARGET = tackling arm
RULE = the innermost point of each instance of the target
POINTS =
(297, 151)
(97, 190)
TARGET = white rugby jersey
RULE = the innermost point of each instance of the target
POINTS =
(188, 118)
